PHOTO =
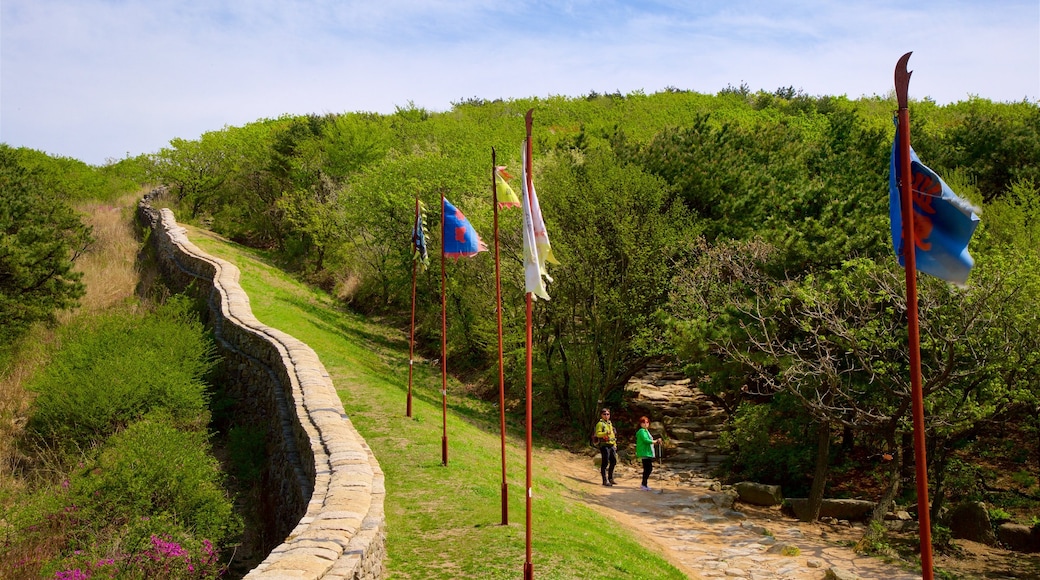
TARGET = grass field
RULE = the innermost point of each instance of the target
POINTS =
(442, 521)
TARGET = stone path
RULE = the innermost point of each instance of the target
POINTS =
(688, 420)
(694, 520)
(696, 524)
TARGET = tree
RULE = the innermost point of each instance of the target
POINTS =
(40, 238)
(318, 218)
(194, 169)
(999, 145)
(836, 342)
(616, 235)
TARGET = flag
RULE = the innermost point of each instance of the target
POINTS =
(460, 239)
(506, 195)
(943, 222)
(537, 251)
(419, 251)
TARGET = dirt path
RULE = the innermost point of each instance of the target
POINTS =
(691, 524)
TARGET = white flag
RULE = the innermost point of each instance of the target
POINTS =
(537, 251)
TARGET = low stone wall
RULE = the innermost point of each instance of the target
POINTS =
(323, 485)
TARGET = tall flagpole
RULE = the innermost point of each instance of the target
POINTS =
(444, 348)
(528, 566)
(501, 368)
(411, 336)
(902, 85)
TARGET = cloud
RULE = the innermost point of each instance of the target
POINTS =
(94, 79)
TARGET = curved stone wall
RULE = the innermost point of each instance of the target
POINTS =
(323, 486)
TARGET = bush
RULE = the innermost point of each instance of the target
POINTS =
(162, 557)
(770, 444)
(151, 506)
(40, 237)
(154, 471)
(115, 369)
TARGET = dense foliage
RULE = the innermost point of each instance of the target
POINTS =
(120, 369)
(743, 234)
(40, 237)
(119, 478)
(627, 183)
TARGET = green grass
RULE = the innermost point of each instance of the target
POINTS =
(442, 521)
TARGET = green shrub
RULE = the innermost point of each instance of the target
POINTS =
(171, 555)
(998, 515)
(117, 368)
(768, 443)
(156, 480)
(147, 508)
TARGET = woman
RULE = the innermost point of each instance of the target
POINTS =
(607, 439)
(645, 450)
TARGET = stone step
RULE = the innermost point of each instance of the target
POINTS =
(686, 417)
(703, 437)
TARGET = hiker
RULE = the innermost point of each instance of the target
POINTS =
(645, 450)
(606, 437)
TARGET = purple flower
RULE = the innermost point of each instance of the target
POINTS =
(168, 548)
(76, 574)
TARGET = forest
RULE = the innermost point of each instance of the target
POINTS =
(742, 237)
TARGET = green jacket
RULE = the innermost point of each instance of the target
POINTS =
(644, 443)
(605, 434)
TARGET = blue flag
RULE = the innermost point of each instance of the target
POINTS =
(943, 222)
(460, 239)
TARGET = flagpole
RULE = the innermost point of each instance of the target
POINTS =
(528, 566)
(902, 85)
(501, 366)
(411, 336)
(444, 348)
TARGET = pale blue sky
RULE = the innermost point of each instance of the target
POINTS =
(101, 79)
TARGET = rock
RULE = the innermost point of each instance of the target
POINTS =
(839, 574)
(754, 528)
(1019, 538)
(900, 526)
(970, 521)
(759, 493)
(842, 509)
(784, 549)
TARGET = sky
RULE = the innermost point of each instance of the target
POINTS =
(101, 80)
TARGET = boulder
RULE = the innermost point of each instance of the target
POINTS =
(1019, 538)
(842, 509)
(839, 574)
(759, 493)
(970, 521)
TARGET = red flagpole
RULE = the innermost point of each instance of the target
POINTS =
(444, 349)
(902, 84)
(411, 336)
(501, 366)
(528, 566)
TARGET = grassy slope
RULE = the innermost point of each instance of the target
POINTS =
(442, 522)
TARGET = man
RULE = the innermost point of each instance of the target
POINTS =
(607, 439)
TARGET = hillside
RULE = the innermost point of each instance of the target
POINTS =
(367, 361)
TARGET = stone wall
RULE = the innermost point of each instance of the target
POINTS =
(323, 485)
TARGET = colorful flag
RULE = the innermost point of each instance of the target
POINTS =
(506, 195)
(537, 251)
(419, 237)
(460, 239)
(943, 222)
